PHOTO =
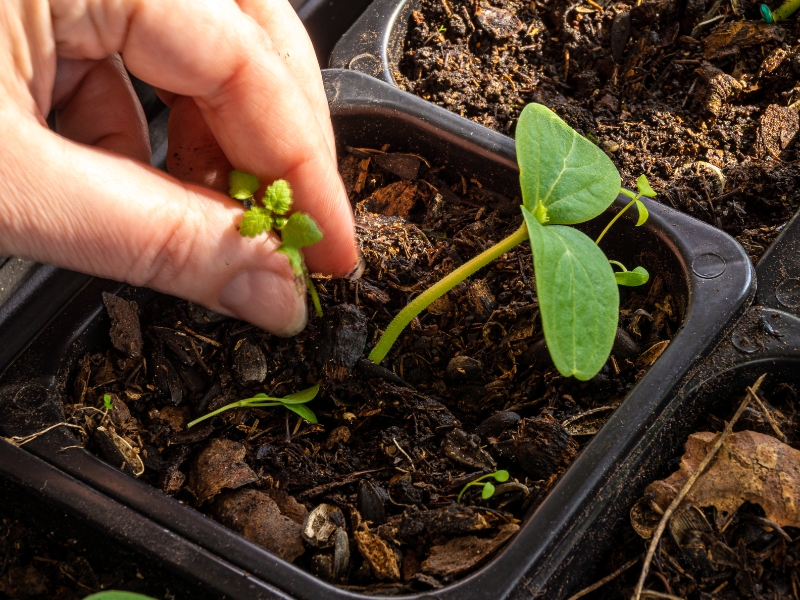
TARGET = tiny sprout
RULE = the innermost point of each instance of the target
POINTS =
(639, 276)
(297, 230)
(488, 486)
(442, 29)
(784, 11)
(107, 402)
(293, 402)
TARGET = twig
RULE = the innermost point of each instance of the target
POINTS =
(399, 447)
(662, 525)
(767, 414)
(605, 579)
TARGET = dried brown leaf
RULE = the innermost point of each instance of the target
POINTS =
(750, 467)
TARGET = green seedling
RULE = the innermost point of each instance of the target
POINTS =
(107, 402)
(565, 180)
(297, 230)
(784, 11)
(293, 402)
(639, 276)
(112, 595)
(488, 486)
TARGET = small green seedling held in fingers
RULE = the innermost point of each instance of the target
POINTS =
(488, 486)
(293, 402)
(565, 180)
(297, 230)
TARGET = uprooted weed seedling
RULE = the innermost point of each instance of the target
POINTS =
(565, 180)
(297, 230)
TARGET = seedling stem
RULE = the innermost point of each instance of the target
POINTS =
(439, 289)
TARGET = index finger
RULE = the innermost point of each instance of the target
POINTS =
(212, 51)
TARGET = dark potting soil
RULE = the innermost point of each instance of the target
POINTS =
(712, 554)
(468, 389)
(688, 93)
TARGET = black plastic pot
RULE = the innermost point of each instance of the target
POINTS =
(707, 272)
(374, 44)
(43, 497)
(327, 20)
(765, 340)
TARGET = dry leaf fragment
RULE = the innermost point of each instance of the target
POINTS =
(750, 467)
(461, 554)
(378, 554)
(777, 128)
(394, 200)
(650, 355)
(731, 37)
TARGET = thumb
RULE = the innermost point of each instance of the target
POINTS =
(74, 206)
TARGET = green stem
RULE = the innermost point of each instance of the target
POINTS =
(312, 291)
(439, 289)
(237, 404)
(616, 217)
(475, 483)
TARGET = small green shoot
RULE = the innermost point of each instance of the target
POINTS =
(293, 402)
(639, 276)
(107, 402)
(565, 180)
(488, 487)
(784, 11)
(114, 595)
(297, 230)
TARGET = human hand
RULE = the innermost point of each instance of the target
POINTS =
(242, 80)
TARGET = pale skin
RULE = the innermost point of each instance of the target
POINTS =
(244, 87)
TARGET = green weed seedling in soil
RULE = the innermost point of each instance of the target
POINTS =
(112, 595)
(488, 486)
(107, 402)
(293, 402)
(297, 230)
(565, 180)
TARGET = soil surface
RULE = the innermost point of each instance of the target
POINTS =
(706, 553)
(367, 497)
(699, 95)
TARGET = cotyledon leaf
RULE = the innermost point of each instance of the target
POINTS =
(578, 297)
(572, 178)
(639, 276)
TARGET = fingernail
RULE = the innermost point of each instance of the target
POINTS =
(266, 300)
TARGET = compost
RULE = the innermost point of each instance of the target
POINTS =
(700, 95)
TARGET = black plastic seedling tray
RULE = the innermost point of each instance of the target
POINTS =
(89, 522)
(707, 272)
(765, 340)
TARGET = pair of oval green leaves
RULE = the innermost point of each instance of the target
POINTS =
(565, 180)
(488, 487)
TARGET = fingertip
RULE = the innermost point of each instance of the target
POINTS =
(266, 299)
